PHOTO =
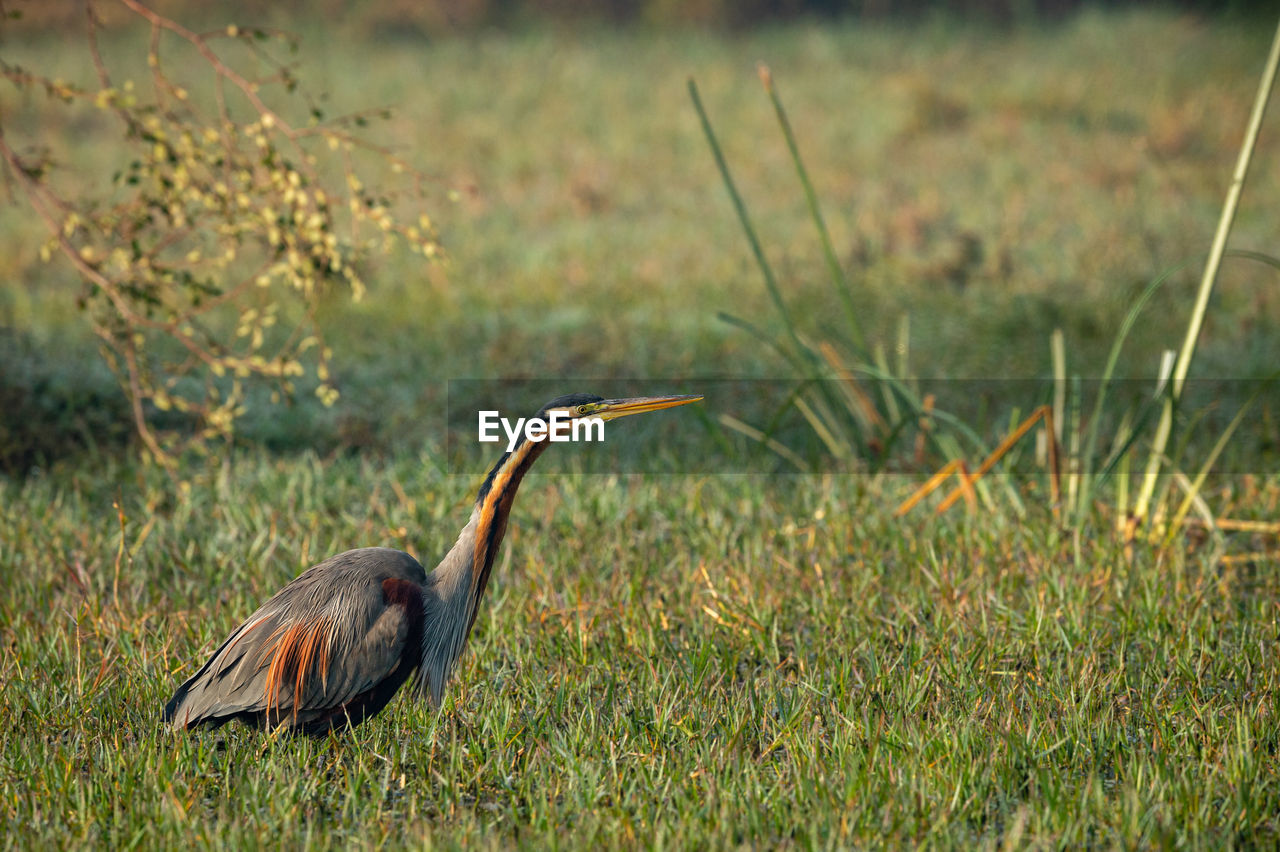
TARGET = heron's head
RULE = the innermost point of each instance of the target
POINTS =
(577, 406)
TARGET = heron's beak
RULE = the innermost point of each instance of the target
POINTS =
(612, 409)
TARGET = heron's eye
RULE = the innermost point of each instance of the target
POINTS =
(582, 410)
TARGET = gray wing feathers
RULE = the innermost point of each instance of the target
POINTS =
(321, 641)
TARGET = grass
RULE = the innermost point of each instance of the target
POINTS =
(675, 661)
(696, 660)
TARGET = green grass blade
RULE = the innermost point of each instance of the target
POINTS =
(1058, 355)
(801, 349)
(1099, 402)
(781, 450)
(838, 277)
(1260, 257)
(770, 281)
(760, 335)
(1124, 435)
(1180, 515)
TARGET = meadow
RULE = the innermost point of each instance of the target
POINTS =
(701, 659)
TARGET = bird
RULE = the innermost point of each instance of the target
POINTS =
(332, 647)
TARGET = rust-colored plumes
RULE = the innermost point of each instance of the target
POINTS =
(296, 653)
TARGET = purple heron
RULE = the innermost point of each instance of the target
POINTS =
(332, 647)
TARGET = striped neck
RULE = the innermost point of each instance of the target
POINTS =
(493, 507)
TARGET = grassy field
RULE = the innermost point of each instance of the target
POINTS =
(690, 660)
(707, 661)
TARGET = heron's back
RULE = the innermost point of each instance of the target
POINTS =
(343, 631)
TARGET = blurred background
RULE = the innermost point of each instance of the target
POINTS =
(442, 17)
(990, 172)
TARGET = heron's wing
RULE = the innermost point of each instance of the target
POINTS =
(324, 640)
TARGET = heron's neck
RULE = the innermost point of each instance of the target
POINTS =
(493, 507)
(458, 582)
(464, 572)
